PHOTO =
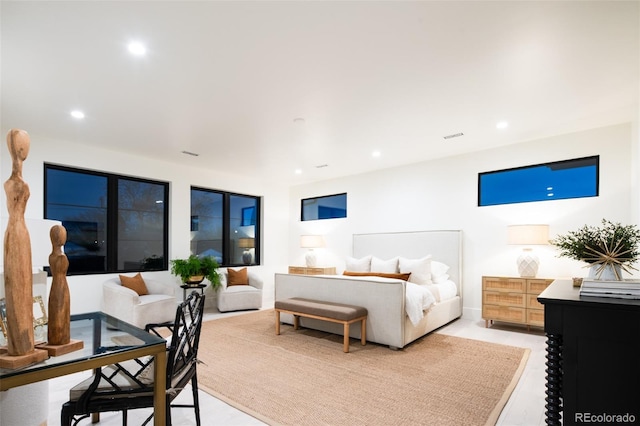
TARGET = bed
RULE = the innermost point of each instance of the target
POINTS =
(388, 322)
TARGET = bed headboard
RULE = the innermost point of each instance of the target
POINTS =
(443, 246)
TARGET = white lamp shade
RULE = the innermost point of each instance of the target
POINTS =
(528, 234)
(311, 241)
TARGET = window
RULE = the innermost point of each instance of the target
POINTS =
(114, 223)
(327, 207)
(225, 226)
(558, 180)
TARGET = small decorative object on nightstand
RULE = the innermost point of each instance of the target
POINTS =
(513, 300)
(302, 270)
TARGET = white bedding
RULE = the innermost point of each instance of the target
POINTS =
(418, 298)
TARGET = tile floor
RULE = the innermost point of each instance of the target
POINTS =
(525, 406)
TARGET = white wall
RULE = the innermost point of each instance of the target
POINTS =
(86, 290)
(442, 194)
(438, 194)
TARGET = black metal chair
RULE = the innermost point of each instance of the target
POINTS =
(129, 385)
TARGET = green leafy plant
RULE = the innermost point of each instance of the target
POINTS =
(194, 266)
(610, 244)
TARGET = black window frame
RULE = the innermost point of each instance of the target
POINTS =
(593, 160)
(302, 203)
(111, 234)
(226, 225)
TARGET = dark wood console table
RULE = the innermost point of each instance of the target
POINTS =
(593, 357)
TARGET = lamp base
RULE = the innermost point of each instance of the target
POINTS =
(247, 257)
(528, 264)
(311, 259)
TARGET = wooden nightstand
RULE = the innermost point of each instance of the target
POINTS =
(303, 270)
(513, 300)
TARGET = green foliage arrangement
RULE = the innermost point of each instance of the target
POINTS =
(193, 266)
(610, 244)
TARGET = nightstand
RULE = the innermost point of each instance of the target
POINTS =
(304, 270)
(513, 300)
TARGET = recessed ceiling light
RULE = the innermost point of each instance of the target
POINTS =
(77, 114)
(502, 125)
(375, 154)
(137, 48)
(298, 172)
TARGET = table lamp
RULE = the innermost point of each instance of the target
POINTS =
(247, 244)
(311, 242)
(528, 235)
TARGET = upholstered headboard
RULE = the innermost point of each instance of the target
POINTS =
(443, 246)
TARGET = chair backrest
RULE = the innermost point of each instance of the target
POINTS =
(183, 351)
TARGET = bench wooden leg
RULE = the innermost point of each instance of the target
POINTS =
(277, 323)
(363, 332)
(346, 338)
(296, 322)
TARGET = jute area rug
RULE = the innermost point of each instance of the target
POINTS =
(303, 378)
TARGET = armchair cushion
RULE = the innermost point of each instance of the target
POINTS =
(135, 283)
(238, 277)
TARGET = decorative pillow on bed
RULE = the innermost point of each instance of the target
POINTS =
(420, 269)
(388, 266)
(403, 277)
(439, 271)
(359, 265)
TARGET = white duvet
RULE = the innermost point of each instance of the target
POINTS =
(417, 300)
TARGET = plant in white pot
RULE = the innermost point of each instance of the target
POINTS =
(609, 249)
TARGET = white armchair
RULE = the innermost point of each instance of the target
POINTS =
(239, 297)
(125, 304)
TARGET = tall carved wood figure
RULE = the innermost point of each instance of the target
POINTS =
(59, 332)
(18, 275)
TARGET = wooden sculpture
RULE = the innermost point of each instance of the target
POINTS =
(59, 331)
(18, 274)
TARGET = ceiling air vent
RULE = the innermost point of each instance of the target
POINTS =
(193, 154)
(455, 135)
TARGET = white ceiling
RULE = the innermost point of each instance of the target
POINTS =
(227, 79)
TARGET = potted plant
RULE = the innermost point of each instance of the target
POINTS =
(194, 270)
(608, 249)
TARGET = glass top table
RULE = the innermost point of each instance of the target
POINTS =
(107, 340)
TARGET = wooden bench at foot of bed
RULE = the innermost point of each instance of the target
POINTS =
(327, 311)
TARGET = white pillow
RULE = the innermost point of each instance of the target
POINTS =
(438, 268)
(359, 265)
(420, 269)
(387, 266)
(440, 278)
